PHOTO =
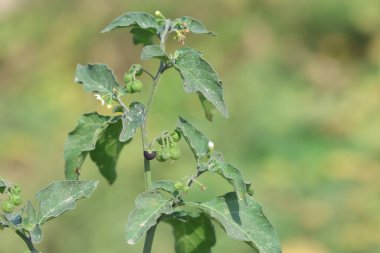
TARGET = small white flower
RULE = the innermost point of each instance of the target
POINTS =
(211, 145)
(98, 97)
(109, 106)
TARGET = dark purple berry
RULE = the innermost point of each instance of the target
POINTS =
(150, 155)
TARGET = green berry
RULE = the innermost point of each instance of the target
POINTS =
(159, 156)
(186, 189)
(176, 135)
(178, 185)
(128, 88)
(165, 154)
(8, 207)
(16, 200)
(175, 153)
(16, 189)
(128, 78)
(136, 86)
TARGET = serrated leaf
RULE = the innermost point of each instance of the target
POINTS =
(208, 107)
(141, 36)
(153, 51)
(149, 207)
(96, 78)
(82, 140)
(107, 150)
(194, 25)
(135, 19)
(193, 234)
(197, 141)
(165, 185)
(132, 119)
(243, 222)
(60, 196)
(233, 176)
(199, 76)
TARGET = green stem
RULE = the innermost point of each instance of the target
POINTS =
(149, 239)
(27, 241)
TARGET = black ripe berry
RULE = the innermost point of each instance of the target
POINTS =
(150, 155)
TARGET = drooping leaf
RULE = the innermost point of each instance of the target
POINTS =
(150, 206)
(132, 119)
(208, 107)
(96, 78)
(193, 234)
(233, 176)
(199, 76)
(141, 36)
(107, 150)
(133, 19)
(82, 140)
(60, 196)
(165, 185)
(243, 222)
(153, 51)
(197, 141)
(194, 25)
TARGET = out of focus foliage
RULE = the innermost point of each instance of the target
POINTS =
(309, 139)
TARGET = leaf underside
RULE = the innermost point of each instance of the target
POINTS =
(132, 119)
(193, 234)
(133, 19)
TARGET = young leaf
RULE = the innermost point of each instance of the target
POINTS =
(132, 119)
(208, 107)
(234, 177)
(96, 78)
(150, 206)
(82, 140)
(165, 185)
(141, 36)
(194, 25)
(29, 216)
(193, 234)
(36, 234)
(107, 150)
(153, 51)
(197, 141)
(243, 222)
(60, 196)
(134, 19)
(199, 76)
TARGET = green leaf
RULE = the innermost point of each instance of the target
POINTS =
(96, 78)
(197, 141)
(208, 107)
(29, 216)
(3, 185)
(165, 185)
(107, 150)
(141, 36)
(194, 25)
(153, 51)
(149, 207)
(199, 76)
(243, 222)
(81, 140)
(36, 234)
(60, 196)
(132, 119)
(135, 19)
(193, 234)
(233, 176)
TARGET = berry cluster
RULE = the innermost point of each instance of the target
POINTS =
(13, 198)
(132, 84)
(168, 146)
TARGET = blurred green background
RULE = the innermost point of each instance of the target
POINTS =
(301, 80)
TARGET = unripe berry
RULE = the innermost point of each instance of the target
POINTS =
(8, 207)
